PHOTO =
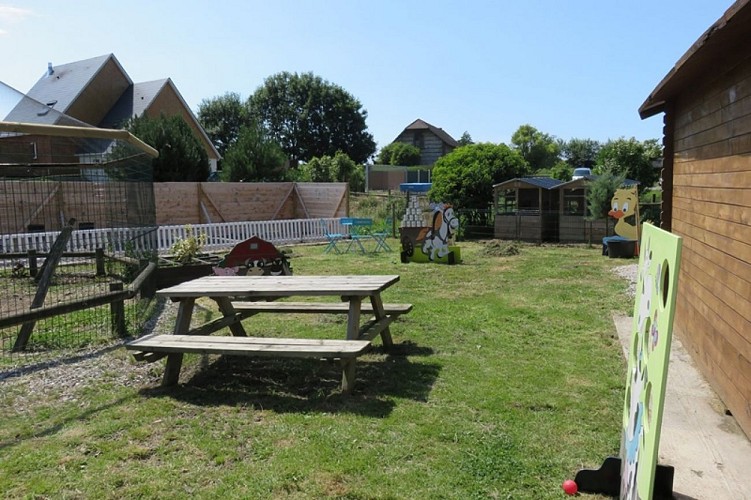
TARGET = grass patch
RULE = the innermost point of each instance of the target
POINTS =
(505, 379)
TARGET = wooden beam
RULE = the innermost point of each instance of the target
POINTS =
(284, 200)
(22, 227)
(80, 132)
(211, 201)
(302, 201)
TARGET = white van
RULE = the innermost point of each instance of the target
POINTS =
(581, 172)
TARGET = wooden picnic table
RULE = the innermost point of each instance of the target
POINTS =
(240, 297)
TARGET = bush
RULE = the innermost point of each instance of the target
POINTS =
(401, 154)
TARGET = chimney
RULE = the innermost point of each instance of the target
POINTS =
(50, 71)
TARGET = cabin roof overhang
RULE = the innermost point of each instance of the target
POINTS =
(723, 44)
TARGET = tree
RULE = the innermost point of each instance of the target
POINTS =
(601, 191)
(337, 168)
(222, 118)
(465, 176)
(540, 150)
(580, 152)
(465, 139)
(400, 153)
(181, 155)
(632, 158)
(310, 117)
(561, 171)
(254, 157)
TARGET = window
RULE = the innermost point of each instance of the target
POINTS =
(506, 202)
(85, 225)
(574, 202)
(35, 228)
(418, 140)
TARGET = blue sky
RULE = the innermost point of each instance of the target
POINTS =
(570, 68)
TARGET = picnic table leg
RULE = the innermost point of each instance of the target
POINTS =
(353, 317)
(348, 375)
(182, 325)
(353, 332)
(379, 313)
(225, 305)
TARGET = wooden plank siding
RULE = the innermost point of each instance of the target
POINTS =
(181, 202)
(431, 146)
(118, 204)
(711, 210)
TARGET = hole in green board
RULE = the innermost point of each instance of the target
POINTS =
(634, 352)
(627, 413)
(665, 279)
(648, 396)
(646, 344)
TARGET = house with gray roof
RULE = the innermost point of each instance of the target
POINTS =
(433, 142)
(99, 92)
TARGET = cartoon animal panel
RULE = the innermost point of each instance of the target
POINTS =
(435, 239)
(430, 241)
(625, 208)
(648, 361)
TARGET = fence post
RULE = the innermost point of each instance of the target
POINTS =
(100, 262)
(117, 312)
(33, 268)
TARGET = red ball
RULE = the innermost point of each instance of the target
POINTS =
(570, 487)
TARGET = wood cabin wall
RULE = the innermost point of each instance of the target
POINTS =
(711, 210)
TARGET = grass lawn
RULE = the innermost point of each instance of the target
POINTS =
(505, 379)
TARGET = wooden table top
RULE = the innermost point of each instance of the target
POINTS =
(281, 286)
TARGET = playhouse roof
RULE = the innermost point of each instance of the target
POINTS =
(538, 182)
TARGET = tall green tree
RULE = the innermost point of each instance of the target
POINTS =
(465, 177)
(601, 191)
(632, 158)
(399, 153)
(580, 152)
(222, 118)
(465, 139)
(181, 155)
(540, 150)
(311, 117)
(254, 157)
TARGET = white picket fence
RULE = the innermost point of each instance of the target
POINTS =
(219, 236)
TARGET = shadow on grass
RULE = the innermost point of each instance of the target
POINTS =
(310, 385)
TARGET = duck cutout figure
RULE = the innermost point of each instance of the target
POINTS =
(625, 209)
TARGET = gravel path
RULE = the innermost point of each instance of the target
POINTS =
(628, 272)
(64, 379)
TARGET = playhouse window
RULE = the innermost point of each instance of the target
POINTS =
(506, 202)
(574, 202)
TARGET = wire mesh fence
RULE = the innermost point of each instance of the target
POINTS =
(58, 180)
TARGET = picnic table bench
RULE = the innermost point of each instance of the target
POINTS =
(226, 290)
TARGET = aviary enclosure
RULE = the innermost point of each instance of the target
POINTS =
(76, 225)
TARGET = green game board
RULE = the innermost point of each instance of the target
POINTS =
(649, 353)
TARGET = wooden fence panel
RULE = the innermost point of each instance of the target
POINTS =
(214, 202)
